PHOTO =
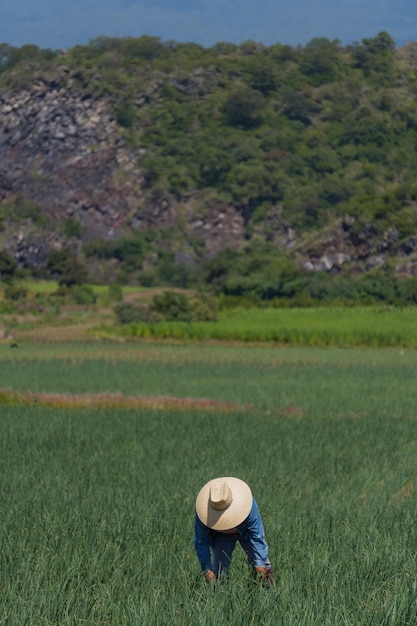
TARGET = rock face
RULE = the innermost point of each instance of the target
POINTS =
(64, 151)
(222, 226)
(364, 249)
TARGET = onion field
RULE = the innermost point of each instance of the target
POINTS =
(97, 497)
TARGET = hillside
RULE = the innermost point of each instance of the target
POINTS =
(150, 161)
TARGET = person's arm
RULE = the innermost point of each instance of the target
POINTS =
(256, 537)
(202, 547)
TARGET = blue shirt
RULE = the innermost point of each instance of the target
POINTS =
(251, 529)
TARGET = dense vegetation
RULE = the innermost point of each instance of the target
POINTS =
(321, 130)
(342, 327)
(98, 504)
(308, 133)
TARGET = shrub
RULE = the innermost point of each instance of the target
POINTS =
(129, 313)
(83, 294)
(72, 228)
(70, 271)
(243, 108)
(22, 208)
(321, 59)
(172, 273)
(173, 306)
(125, 114)
(115, 292)
(410, 288)
(204, 308)
(7, 267)
(15, 292)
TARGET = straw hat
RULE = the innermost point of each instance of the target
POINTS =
(224, 503)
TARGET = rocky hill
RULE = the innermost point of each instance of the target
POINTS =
(63, 150)
(308, 149)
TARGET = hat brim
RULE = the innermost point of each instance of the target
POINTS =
(236, 512)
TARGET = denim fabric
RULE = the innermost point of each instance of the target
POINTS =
(214, 549)
(222, 549)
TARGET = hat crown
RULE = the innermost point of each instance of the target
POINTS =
(224, 503)
(220, 495)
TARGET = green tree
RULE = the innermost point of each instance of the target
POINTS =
(256, 270)
(215, 270)
(69, 270)
(296, 105)
(262, 74)
(72, 228)
(214, 164)
(367, 126)
(321, 60)
(172, 273)
(375, 55)
(243, 108)
(8, 267)
(254, 183)
(130, 251)
(126, 114)
(145, 47)
(173, 306)
(335, 189)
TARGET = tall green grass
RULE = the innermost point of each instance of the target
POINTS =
(97, 508)
(344, 327)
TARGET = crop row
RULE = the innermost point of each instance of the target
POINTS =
(382, 327)
(98, 508)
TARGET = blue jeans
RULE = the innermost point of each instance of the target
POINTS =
(222, 549)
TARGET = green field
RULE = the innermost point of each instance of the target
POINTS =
(97, 504)
(374, 326)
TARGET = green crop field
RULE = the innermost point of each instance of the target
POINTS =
(378, 326)
(97, 503)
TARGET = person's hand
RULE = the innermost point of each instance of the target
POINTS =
(261, 572)
(264, 574)
(210, 576)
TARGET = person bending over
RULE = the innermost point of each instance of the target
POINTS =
(227, 513)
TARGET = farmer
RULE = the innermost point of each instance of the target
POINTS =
(226, 512)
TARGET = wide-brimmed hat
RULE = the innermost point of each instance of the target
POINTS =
(224, 503)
